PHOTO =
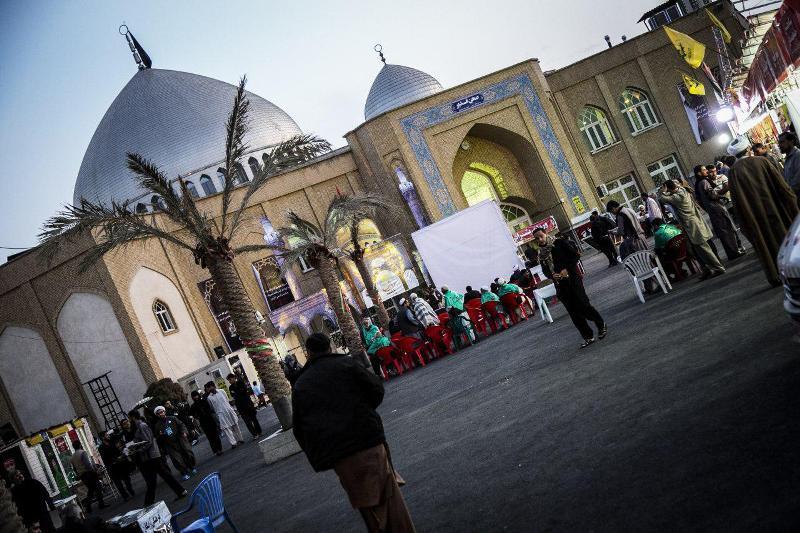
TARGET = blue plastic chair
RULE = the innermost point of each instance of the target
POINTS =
(208, 497)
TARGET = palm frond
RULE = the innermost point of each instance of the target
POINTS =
(151, 178)
(236, 127)
(118, 226)
(288, 154)
(347, 211)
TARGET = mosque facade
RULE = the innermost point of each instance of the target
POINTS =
(542, 144)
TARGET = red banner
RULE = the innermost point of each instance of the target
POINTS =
(526, 234)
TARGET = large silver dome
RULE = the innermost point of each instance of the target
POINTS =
(395, 86)
(177, 120)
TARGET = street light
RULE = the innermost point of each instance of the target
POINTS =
(725, 114)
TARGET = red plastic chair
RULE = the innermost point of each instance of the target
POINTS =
(493, 312)
(410, 347)
(441, 339)
(511, 304)
(444, 318)
(677, 254)
(477, 316)
(389, 355)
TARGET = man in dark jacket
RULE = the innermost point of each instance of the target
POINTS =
(241, 393)
(335, 422)
(408, 323)
(150, 463)
(203, 413)
(32, 501)
(560, 263)
(600, 228)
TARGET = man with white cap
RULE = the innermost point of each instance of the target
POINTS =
(423, 311)
(172, 436)
(764, 203)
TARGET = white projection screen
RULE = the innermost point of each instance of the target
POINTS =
(472, 247)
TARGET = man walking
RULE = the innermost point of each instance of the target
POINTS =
(336, 425)
(765, 205)
(695, 227)
(150, 463)
(241, 398)
(787, 143)
(259, 394)
(711, 200)
(226, 416)
(202, 412)
(172, 435)
(33, 502)
(86, 471)
(602, 240)
(559, 259)
(119, 467)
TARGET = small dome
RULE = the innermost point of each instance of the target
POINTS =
(396, 86)
(175, 119)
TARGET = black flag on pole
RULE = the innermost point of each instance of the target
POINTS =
(146, 61)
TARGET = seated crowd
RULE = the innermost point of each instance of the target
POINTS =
(445, 320)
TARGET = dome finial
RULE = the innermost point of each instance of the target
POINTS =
(143, 60)
(378, 48)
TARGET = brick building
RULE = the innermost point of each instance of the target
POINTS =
(557, 143)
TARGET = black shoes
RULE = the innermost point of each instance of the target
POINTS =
(602, 332)
(587, 342)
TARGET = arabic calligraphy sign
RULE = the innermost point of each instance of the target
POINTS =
(466, 103)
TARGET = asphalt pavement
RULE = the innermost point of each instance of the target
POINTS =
(685, 418)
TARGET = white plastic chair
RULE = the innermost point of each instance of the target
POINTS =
(641, 267)
(539, 295)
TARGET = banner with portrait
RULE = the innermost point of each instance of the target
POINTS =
(391, 267)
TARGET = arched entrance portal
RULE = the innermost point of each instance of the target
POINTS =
(493, 163)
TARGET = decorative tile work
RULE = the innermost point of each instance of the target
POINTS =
(520, 84)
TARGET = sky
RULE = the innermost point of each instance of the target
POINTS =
(63, 62)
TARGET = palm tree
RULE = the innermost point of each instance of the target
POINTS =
(321, 246)
(214, 245)
(362, 207)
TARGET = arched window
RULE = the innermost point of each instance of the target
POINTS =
(156, 202)
(239, 176)
(255, 167)
(516, 217)
(221, 174)
(207, 184)
(141, 208)
(477, 187)
(192, 189)
(637, 110)
(595, 128)
(164, 317)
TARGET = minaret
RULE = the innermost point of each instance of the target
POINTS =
(143, 60)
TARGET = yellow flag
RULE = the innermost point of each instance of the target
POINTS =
(693, 86)
(690, 50)
(726, 36)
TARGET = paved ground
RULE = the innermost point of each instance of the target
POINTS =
(684, 418)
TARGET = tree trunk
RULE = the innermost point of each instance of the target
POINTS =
(243, 315)
(380, 309)
(326, 267)
(10, 521)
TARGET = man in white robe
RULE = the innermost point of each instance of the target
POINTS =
(226, 416)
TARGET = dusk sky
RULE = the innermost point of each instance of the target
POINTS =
(63, 63)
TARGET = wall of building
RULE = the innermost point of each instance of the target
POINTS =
(31, 381)
(648, 62)
(177, 352)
